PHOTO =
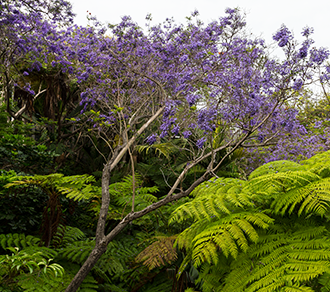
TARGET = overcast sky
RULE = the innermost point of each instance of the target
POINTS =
(263, 17)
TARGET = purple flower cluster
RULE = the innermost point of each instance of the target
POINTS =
(203, 76)
(200, 142)
(151, 139)
(283, 36)
(307, 31)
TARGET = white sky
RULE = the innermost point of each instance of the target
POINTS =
(264, 17)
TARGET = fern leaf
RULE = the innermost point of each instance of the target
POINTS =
(159, 253)
(18, 240)
(275, 167)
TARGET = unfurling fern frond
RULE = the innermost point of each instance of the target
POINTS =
(159, 253)
(18, 240)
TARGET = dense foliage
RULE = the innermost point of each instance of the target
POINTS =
(106, 131)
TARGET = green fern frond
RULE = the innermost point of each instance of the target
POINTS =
(66, 235)
(281, 181)
(214, 185)
(77, 251)
(312, 198)
(74, 187)
(56, 284)
(227, 235)
(195, 170)
(324, 280)
(215, 198)
(18, 240)
(164, 149)
(319, 164)
(200, 208)
(297, 288)
(45, 252)
(275, 167)
(210, 275)
(277, 260)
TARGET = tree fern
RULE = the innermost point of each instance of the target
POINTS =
(237, 246)
(278, 260)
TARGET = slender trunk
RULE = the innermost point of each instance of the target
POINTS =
(102, 241)
(133, 179)
(93, 257)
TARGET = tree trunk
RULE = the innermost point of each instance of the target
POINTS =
(93, 257)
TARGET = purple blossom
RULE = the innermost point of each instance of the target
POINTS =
(186, 134)
(200, 142)
(152, 139)
(283, 36)
(175, 130)
(319, 56)
(297, 84)
(233, 79)
(307, 31)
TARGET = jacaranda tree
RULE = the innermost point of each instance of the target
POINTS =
(29, 41)
(208, 85)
